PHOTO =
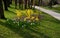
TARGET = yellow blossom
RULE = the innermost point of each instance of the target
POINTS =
(36, 18)
(27, 17)
(28, 13)
(31, 11)
(32, 18)
(18, 13)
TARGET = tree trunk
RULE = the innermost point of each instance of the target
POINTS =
(34, 3)
(15, 4)
(51, 3)
(31, 3)
(10, 1)
(20, 3)
(40, 2)
(6, 4)
(1, 10)
(25, 4)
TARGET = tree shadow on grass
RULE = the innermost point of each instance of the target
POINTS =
(23, 32)
(10, 12)
(12, 7)
(20, 32)
(50, 19)
(2, 36)
(55, 21)
(39, 33)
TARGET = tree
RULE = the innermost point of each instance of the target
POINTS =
(9, 2)
(15, 3)
(20, 3)
(52, 2)
(1, 10)
(26, 4)
(40, 2)
(6, 4)
(34, 3)
(31, 3)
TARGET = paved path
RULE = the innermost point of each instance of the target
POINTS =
(50, 12)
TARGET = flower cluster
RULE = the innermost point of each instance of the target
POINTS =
(25, 18)
(29, 15)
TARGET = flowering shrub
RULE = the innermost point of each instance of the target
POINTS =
(25, 18)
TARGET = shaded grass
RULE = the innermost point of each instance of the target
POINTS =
(26, 33)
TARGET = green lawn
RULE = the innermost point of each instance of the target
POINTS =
(49, 28)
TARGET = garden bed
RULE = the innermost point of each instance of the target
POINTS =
(25, 18)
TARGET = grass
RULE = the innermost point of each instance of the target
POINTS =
(49, 28)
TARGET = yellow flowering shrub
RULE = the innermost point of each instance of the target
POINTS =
(27, 14)
(25, 18)
(18, 13)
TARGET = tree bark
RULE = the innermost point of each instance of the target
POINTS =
(40, 2)
(51, 3)
(10, 1)
(15, 4)
(25, 4)
(31, 3)
(1, 10)
(21, 2)
(6, 4)
(34, 3)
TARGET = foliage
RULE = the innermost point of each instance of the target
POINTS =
(24, 18)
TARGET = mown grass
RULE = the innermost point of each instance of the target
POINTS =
(49, 27)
